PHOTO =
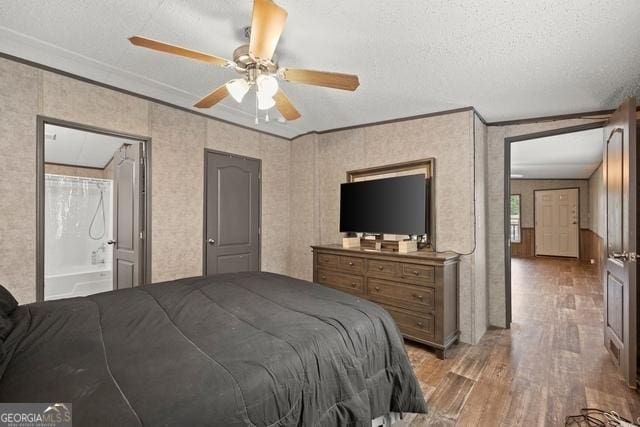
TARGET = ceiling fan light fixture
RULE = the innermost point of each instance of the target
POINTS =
(265, 102)
(267, 85)
(238, 88)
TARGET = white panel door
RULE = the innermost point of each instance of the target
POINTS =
(556, 226)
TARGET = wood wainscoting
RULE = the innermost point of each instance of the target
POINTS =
(590, 245)
(526, 247)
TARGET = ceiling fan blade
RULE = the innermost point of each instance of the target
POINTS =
(284, 105)
(267, 25)
(213, 98)
(177, 50)
(321, 78)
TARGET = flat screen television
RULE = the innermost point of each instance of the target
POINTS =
(397, 205)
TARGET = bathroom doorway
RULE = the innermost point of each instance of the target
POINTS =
(92, 210)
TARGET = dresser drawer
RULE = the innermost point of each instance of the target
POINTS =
(352, 264)
(341, 281)
(382, 268)
(421, 298)
(417, 273)
(421, 327)
(328, 261)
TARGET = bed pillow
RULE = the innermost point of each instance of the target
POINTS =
(7, 302)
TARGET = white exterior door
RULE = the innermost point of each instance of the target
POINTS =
(556, 225)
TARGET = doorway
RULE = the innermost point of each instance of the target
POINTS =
(600, 286)
(558, 159)
(93, 210)
(232, 207)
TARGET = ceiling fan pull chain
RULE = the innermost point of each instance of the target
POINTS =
(257, 121)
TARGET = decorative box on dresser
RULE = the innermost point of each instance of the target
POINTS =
(419, 289)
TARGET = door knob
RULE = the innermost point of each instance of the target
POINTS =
(211, 241)
(625, 256)
(111, 242)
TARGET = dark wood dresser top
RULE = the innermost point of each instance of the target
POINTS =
(422, 255)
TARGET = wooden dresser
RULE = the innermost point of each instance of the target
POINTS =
(418, 289)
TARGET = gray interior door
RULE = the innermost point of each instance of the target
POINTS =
(127, 271)
(619, 275)
(232, 225)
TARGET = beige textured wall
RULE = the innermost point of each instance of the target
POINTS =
(178, 142)
(20, 101)
(496, 232)
(304, 205)
(525, 188)
(479, 287)
(319, 166)
(597, 201)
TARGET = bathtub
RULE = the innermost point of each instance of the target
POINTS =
(83, 281)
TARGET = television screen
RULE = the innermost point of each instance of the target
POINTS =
(390, 205)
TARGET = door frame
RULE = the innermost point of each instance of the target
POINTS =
(41, 121)
(507, 192)
(204, 204)
(534, 218)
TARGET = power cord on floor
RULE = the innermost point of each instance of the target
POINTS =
(597, 417)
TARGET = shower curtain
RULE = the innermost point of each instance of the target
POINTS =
(77, 224)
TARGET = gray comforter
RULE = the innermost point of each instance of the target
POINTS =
(235, 349)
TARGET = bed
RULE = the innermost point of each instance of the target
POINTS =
(233, 349)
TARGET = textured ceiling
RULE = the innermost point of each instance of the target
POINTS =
(79, 148)
(509, 59)
(571, 155)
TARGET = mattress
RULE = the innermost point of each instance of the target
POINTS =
(255, 349)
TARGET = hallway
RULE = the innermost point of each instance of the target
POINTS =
(550, 364)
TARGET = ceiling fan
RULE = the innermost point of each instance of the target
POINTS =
(256, 65)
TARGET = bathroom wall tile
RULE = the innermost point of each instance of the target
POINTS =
(76, 171)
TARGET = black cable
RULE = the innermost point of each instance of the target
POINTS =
(587, 416)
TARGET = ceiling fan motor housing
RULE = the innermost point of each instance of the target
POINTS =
(244, 61)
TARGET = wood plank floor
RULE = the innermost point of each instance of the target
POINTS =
(550, 364)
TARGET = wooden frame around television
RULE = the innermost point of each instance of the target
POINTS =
(426, 166)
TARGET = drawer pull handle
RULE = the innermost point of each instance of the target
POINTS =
(420, 324)
(417, 296)
(416, 272)
(351, 263)
(380, 267)
(354, 285)
(323, 277)
(377, 288)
